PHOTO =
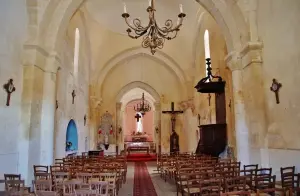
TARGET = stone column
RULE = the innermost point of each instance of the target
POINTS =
(248, 98)
(118, 124)
(38, 111)
(157, 118)
(241, 128)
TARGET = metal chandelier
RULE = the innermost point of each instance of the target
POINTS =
(142, 107)
(154, 36)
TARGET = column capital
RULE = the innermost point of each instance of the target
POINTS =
(250, 53)
(157, 106)
(48, 61)
(118, 105)
(96, 102)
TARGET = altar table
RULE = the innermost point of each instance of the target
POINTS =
(138, 148)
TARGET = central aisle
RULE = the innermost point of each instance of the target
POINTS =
(161, 187)
(143, 185)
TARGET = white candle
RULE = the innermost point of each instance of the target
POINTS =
(181, 8)
(125, 9)
(150, 4)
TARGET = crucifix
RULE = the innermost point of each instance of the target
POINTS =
(73, 96)
(173, 115)
(137, 116)
(209, 98)
(9, 88)
(174, 137)
(275, 88)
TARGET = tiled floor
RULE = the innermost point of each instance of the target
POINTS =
(162, 188)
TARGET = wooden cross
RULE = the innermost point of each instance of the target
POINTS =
(9, 88)
(137, 116)
(209, 98)
(73, 96)
(275, 88)
(173, 115)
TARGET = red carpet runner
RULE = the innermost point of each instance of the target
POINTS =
(143, 185)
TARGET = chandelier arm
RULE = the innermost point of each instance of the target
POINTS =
(134, 28)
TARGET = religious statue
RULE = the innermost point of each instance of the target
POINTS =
(106, 127)
(106, 144)
(174, 143)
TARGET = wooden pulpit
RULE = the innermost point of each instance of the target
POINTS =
(213, 139)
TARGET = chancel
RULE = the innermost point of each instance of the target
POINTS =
(145, 91)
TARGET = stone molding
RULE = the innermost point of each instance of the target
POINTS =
(118, 105)
(38, 56)
(250, 53)
(96, 103)
(184, 105)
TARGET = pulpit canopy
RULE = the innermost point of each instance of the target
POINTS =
(207, 85)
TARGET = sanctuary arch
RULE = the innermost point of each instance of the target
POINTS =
(156, 109)
(244, 60)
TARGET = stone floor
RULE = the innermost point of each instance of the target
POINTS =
(162, 188)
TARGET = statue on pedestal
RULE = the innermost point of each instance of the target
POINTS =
(174, 143)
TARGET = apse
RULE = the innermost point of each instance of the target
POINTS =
(71, 138)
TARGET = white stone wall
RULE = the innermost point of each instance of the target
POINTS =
(278, 26)
(13, 32)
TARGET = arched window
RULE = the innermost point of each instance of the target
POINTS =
(76, 51)
(206, 46)
(139, 125)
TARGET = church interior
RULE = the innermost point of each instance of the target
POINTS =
(149, 97)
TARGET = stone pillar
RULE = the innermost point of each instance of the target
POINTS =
(157, 118)
(248, 95)
(38, 111)
(118, 124)
(95, 105)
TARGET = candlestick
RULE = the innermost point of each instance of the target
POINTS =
(181, 8)
(125, 9)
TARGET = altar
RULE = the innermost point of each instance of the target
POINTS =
(144, 147)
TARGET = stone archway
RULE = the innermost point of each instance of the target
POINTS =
(157, 107)
(131, 53)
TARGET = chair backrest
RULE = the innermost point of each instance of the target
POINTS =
(40, 169)
(288, 177)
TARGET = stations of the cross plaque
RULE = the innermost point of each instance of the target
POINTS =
(9, 88)
(275, 88)
(73, 96)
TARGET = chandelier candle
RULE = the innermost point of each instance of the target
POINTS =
(153, 35)
(181, 8)
(125, 9)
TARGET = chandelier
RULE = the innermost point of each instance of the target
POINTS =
(154, 36)
(142, 107)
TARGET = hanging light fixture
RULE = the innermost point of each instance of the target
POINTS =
(154, 36)
(143, 106)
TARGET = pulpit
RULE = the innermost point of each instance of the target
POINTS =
(213, 139)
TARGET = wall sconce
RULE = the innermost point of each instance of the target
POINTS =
(156, 129)
(120, 129)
